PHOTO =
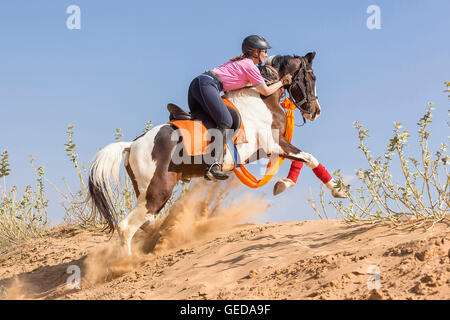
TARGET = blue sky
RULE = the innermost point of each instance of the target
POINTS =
(130, 58)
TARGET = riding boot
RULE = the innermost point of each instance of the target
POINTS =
(214, 170)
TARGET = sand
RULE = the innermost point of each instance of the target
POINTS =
(205, 248)
(292, 260)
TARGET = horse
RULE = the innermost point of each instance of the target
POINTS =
(149, 158)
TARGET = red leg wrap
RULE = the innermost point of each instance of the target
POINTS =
(296, 166)
(322, 173)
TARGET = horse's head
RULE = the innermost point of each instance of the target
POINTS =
(302, 91)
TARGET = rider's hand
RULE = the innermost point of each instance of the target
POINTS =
(286, 80)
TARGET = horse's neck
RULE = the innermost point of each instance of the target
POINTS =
(248, 101)
(278, 115)
(250, 105)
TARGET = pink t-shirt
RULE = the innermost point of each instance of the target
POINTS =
(238, 74)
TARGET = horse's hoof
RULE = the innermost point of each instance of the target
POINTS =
(338, 194)
(282, 185)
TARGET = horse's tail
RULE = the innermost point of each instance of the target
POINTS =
(104, 167)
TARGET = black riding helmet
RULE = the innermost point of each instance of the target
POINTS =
(254, 42)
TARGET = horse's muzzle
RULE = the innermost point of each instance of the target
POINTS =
(314, 113)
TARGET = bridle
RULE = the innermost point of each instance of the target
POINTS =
(301, 81)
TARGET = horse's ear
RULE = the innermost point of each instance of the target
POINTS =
(310, 56)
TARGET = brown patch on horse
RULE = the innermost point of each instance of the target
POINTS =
(163, 181)
(289, 148)
(133, 179)
(271, 75)
(188, 171)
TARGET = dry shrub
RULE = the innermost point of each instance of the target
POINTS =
(21, 215)
(422, 197)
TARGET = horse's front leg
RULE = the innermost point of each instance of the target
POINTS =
(283, 184)
(291, 152)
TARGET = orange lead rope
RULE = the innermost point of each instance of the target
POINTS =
(246, 177)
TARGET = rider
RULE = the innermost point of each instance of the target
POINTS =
(204, 91)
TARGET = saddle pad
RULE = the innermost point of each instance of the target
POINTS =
(195, 135)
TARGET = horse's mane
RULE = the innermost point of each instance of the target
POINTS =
(268, 73)
(280, 62)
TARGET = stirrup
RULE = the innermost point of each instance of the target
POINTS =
(215, 175)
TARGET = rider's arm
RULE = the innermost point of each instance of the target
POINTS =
(267, 91)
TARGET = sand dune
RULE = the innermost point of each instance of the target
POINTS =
(294, 260)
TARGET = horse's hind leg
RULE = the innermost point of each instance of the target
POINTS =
(158, 192)
(130, 224)
(291, 152)
(152, 181)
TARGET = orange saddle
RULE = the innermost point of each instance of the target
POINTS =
(195, 134)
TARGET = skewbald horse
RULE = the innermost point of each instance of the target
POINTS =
(149, 158)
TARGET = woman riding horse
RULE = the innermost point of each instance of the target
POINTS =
(204, 92)
(149, 158)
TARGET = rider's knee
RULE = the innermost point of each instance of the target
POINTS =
(226, 121)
